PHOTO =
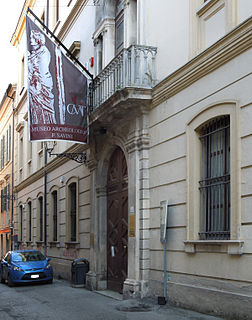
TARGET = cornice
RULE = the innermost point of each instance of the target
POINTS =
(75, 12)
(206, 6)
(103, 26)
(17, 35)
(51, 166)
(230, 46)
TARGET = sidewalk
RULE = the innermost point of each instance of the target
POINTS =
(149, 309)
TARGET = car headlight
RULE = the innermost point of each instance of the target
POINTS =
(17, 269)
(48, 266)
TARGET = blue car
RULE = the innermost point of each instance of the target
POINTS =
(22, 266)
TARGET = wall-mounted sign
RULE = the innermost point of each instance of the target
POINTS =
(163, 219)
(132, 224)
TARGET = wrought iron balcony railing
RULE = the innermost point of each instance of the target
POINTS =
(133, 67)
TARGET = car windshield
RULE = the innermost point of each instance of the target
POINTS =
(26, 256)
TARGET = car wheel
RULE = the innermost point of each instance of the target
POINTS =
(1, 278)
(50, 281)
(10, 282)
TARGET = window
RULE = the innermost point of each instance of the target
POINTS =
(2, 151)
(21, 222)
(57, 10)
(5, 198)
(72, 212)
(21, 149)
(119, 26)
(40, 216)
(29, 221)
(8, 155)
(7, 150)
(73, 220)
(55, 215)
(29, 145)
(215, 179)
(2, 200)
(8, 195)
(213, 192)
(22, 75)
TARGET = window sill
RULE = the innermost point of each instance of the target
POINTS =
(232, 247)
(72, 244)
(39, 243)
(55, 244)
(29, 244)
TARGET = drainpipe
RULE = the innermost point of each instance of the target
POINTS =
(45, 163)
(12, 170)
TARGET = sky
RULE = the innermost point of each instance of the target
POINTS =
(10, 11)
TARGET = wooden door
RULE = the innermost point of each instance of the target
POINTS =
(117, 221)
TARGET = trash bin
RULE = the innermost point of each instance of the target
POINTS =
(80, 268)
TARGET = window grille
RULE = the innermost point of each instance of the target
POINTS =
(55, 213)
(30, 220)
(40, 219)
(21, 222)
(73, 217)
(215, 179)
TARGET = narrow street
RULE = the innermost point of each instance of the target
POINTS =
(61, 301)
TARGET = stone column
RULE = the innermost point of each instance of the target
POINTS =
(108, 41)
(136, 285)
(130, 22)
(91, 282)
(96, 277)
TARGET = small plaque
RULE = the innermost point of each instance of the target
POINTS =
(91, 239)
(132, 225)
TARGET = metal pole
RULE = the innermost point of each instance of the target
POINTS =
(60, 43)
(45, 203)
(165, 267)
(47, 13)
(12, 180)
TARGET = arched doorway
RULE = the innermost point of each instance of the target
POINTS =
(117, 221)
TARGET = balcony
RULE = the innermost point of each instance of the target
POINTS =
(127, 79)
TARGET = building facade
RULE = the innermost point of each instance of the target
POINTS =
(7, 169)
(169, 120)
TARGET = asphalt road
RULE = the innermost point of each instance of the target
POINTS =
(60, 301)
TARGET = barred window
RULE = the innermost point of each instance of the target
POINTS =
(29, 221)
(40, 218)
(55, 215)
(21, 222)
(73, 216)
(215, 179)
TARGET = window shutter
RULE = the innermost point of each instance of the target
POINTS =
(2, 152)
(1, 200)
(5, 199)
(9, 142)
(7, 146)
(8, 197)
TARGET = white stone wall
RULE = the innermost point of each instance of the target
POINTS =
(212, 266)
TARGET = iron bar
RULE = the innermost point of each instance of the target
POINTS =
(60, 43)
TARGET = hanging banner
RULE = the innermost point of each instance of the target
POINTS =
(56, 91)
